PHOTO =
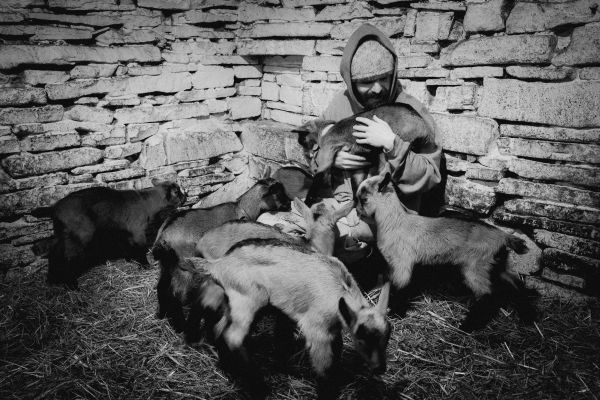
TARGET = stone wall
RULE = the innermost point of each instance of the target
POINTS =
(114, 92)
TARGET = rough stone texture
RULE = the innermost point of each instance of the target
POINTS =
(15, 257)
(167, 112)
(551, 133)
(541, 73)
(269, 91)
(123, 36)
(83, 113)
(290, 29)
(272, 140)
(91, 71)
(9, 144)
(165, 4)
(576, 174)
(304, 3)
(44, 33)
(391, 26)
(316, 97)
(514, 49)
(569, 228)
(322, 63)
(411, 23)
(166, 83)
(22, 96)
(481, 173)
(212, 77)
(570, 244)
(569, 104)
(22, 227)
(476, 72)
(432, 26)
(249, 91)
(545, 191)
(24, 201)
(584, 47)
(252, 12)
(122, 150)
(276, 47)
(568, 263)
(139, 132)
(484, 17)
(13, 116)
(284, 107)
(201, 17)
(97, 5)
(414, 61)
(541, 16)
(343, 12)
(121, 175)
(205, 94)
(42, 77)
(469, 195)
(111, 137)
(14, 55)
(561, 211)
(466, 134)
(26, 164)
(462, 97)
(50, 141)
(574, 152)
(229, 192)
(244, 107)
(247, 71)
(106, 166)
(291, 95)
(589, 73)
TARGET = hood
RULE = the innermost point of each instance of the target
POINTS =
(363, 33)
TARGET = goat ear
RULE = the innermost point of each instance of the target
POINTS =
(343, 211)
(387, 178)
(304, 210)
(384, 298)
(348, 314)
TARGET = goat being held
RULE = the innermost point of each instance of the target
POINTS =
(313, 290)
(480, 251)
(405, 122)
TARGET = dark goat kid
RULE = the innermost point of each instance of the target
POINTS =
(97, 224)
(407, 240)
(404, 121)
(182, 231)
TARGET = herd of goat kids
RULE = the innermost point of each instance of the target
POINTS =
(224, 267)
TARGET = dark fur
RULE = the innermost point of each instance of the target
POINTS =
(183, 230)
(403, 120)
(97, 224)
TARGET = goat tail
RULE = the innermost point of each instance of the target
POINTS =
(517, 244)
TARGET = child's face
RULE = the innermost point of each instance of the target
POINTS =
(373, 93)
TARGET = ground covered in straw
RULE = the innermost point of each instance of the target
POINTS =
(104, 342)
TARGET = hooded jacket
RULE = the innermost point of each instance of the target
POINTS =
(415, 165)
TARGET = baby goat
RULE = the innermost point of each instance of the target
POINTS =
(315, 291)
(406, 240)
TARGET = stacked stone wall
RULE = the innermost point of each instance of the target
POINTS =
(115, 92)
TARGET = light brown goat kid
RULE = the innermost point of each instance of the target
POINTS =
(407, 240)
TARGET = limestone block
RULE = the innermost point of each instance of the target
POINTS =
(122, 150)
(249, 90)
(476, 72)
(551, 133)
(165, 4)
(228, 59)
(13, 116)
(247, 71)
(291, 95)
(96, 5)
(42, 77)
(269, 91)
(437, 5)
(204, 17)
(465, 134)
(92, 71)
(289, 29)
(344, 11)
(37, 33)
(330, 47)
(166, 83)
(583, 49)
(9, 144)
(284, 106)
(26, 164)
(411, 23)
(167, 112)
(469, 195)
(139, 132)
(205, 94)
(111, 137)
(79, 126)
(212, 77)
(317, 97)
(541, 73)
(481, 173)
(569, 104)
(287, 117)
(275, 47)
(569, 228)
(432, 26)
(229, 192)
(576, 174)
(50, 141)
(139, 17)
(190, 31)
(570, 244)
(304, 3)
(92, 114)
(321, 63)
(11, 17)
(126, 36)
(200, 171)
(22, 227)
(14, 55)
(575, 152)
(554, 210)
(15, 256)
(219, 106)
(513, 49)
(485, 17)
(106, 166)
(244, 107)
(391, 26)
(252, 12)
(537, 17)
(563, 262)
(559, 193)
(589, 73)
(271, 140)
(121, 175)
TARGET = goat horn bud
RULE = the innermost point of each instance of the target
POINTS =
(384, 297)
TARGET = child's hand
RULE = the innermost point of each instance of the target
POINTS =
(375, 132)
(345, 160)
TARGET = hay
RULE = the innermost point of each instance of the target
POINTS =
(104, 342)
